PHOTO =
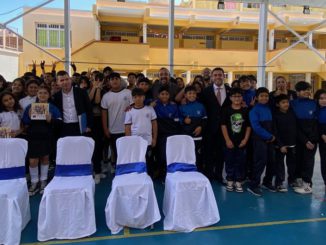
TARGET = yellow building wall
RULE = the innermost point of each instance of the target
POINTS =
(190, 43)
(161, 42)
(82, 26)
(237, 45)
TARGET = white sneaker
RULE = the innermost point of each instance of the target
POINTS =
(43, 185)
(305, 189)
(229, 186)
(33, 189)
(238, 187)
(298, 183)
(97, 178)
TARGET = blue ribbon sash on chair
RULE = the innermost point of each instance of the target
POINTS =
(73, 170)
(12, 173)
(135, 167)
(181, 167)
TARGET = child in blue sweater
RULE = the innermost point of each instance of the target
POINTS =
(305, 110)
(261, 122)
(193, 120)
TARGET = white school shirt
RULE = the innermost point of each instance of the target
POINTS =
(26, 101)
(68, 107)
(141, 122)
(10, 119)
(116, 103)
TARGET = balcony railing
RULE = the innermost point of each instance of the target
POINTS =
(10, 41)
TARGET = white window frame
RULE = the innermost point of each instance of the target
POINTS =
(50, 27)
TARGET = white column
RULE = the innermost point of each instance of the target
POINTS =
(188, 77)
(171, 37)
(310, 38)
(145, 73)
(262, 43)
(270, 81)
(230, 77)
(308, 77)
(67, 36)
(144, 32)
(271, 39)
(97, 30)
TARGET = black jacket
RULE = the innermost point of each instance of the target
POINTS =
(82, 104)
(285, 128)
(213, 108)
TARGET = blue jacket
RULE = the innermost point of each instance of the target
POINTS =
(248, 96)
(196, 112)
(261, 122)
(306, 113)
(322, 120)
(168, 118)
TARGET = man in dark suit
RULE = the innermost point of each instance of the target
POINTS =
(164, 80)
(214, 98)
(75, 107)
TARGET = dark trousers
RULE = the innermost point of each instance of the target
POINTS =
(160, 154)
(113, 141)
(97, 135)
(305, 163)
(213, 158)
(199, 155)
(70, 129)
(249, 159)
(263, 157)
(235, 160)
(322, 152)
(150, 161)
(290, 163)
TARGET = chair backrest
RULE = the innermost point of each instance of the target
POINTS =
(180, 149)
(75, 150)
(12, 152)
(131, 149)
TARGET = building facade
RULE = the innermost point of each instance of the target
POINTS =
(133, 36)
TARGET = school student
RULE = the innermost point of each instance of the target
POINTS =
(39, 137)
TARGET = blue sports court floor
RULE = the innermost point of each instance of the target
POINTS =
(276, 218)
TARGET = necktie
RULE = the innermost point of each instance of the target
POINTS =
(218, 95)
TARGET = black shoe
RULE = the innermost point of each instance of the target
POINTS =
(269, 187)
(255, 191)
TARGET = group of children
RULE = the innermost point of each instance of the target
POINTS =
(260, 129)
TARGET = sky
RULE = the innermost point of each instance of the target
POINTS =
(12, 8)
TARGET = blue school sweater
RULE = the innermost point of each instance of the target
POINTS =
(261, 122)
(197, 113)
(305, 110)
(167, 118)
(322, 120)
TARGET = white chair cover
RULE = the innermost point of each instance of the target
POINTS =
(132, 201)
(67, 206)
(189, 201)
(14, 198)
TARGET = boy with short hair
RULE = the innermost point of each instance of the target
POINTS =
(141, 121)
(261, 122)
(114, 104)
(168, 124)
(286, 135)
(236, 132)
(248, 93)
(145, 85)
(193, 121)
(305, 110)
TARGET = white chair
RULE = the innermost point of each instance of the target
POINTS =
(67, 206)
(14, 199)
(132, 201)
(189, 201)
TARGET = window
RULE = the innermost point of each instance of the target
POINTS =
(50, 35)
(236, 38)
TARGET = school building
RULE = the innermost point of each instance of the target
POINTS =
(133, 36)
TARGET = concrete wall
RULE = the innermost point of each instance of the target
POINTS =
(9, 64)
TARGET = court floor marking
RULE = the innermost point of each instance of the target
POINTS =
(127, 233)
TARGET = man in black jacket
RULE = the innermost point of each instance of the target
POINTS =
(214, 97)
(75, 107)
